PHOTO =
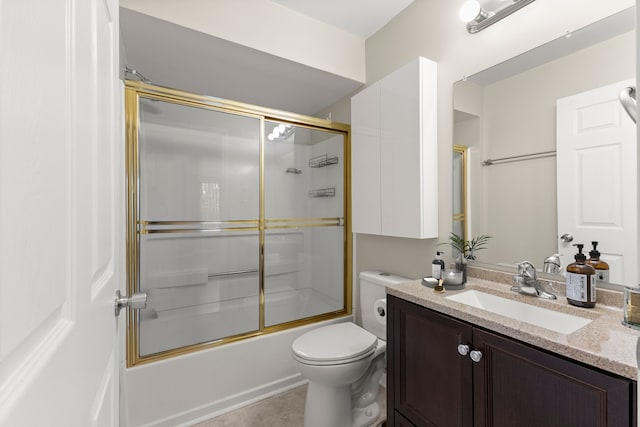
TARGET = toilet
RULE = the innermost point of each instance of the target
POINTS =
(345, 363)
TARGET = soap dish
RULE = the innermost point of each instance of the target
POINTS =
(429, 282)
(452, 284)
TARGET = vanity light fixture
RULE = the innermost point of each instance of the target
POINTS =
(477, 18)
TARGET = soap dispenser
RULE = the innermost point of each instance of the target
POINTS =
(437, 266)
(581, 281)
(602, 268)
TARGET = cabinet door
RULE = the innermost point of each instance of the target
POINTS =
(400, 421)
(394, 154)
(517, 385)
(409, 171)
(431, 384)
(365, 161)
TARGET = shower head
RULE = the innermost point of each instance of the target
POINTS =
(137, 74)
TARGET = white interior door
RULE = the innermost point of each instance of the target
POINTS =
(597, 179)
(60, 212)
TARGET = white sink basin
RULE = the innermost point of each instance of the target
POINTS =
(538, 316)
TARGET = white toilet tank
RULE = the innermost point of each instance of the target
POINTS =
(372, 289)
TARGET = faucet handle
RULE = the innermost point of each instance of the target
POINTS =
(552, 264)
(526, 269)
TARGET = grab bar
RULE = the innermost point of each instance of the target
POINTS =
(232, 273)
(531, 156)
(628, 99)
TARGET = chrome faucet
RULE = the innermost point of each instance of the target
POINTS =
(527, 283)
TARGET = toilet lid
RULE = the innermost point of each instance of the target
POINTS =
(334, 342)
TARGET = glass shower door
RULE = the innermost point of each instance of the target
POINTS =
(198, 228)
(304, 249)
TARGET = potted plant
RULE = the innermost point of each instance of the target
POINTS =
(465, 250)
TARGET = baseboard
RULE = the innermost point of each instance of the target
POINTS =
(230, 403)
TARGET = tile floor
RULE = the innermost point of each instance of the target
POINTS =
(283, 410)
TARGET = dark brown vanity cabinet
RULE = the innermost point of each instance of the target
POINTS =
(494, 381)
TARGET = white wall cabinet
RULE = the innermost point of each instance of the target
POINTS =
(394, 154)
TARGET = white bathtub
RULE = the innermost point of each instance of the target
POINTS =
(187, 389)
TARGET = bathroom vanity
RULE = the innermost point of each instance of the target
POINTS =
(452, 364)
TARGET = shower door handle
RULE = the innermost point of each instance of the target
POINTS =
(137, 300)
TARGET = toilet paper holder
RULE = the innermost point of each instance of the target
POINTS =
(380, 310)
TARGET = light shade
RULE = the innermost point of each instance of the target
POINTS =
(469, 10)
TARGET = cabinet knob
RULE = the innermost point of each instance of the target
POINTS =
(463, 349)
(475, 355)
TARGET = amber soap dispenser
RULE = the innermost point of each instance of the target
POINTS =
(581, 281)
(602, 268)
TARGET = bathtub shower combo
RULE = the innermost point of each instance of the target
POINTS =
(236, 221)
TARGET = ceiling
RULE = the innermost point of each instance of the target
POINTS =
(360, 17)
(179, 57)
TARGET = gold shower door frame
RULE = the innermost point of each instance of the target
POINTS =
(135, 90)
(461, 152)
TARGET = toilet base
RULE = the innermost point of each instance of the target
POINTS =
(365, 417)
(327, 406)
(331, 406)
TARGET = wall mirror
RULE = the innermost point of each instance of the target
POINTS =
(508, 117)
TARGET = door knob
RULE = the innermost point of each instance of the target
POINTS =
(628, 100)
(137, 300)
(475, 355)
(566, 238)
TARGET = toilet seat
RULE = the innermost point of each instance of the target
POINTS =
(334, 344)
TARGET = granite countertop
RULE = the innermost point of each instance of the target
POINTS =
(604, 343)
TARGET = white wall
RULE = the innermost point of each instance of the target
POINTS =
(433, 29)
(268, 27)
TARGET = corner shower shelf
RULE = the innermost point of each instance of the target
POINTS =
(322, 161)
(323, 192)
